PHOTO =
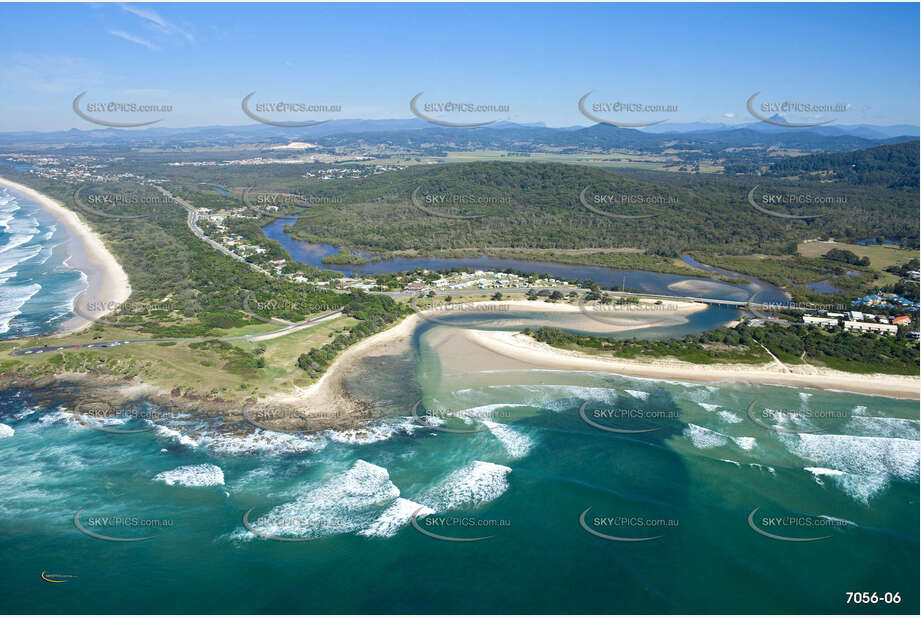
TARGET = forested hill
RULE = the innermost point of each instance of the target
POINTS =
(538, 205)
(892, 165)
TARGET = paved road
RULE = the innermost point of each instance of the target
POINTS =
(300, 325)
(111, 344)
(192, 222)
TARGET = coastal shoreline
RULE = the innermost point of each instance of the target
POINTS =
(107, 284)
(326, 404)
(528, 350)
(327, 393)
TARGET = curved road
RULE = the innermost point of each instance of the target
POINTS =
(192, 222)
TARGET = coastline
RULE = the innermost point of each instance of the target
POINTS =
(539, 354)
(604, 314)
(326, 404)
(107, 282)
(326, 397)
(327, 394)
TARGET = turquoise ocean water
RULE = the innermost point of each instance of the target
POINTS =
(578, 515)
(37, 286)
(527, 470)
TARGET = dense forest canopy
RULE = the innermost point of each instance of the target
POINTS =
(894, 166)
(538, 205)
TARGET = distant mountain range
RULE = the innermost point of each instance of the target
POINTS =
(867, 131)
(414, 132)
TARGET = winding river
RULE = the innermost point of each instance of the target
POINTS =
(642, 281)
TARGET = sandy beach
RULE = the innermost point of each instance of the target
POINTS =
(525, 349)
(589, 317)
(328, 394)
(107, 283)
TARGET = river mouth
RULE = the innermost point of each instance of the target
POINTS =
(312, 254)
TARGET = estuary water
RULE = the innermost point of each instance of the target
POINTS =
(648, 282)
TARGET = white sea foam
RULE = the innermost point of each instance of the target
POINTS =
(25, 413)
(861, 466)
(470, 415)
(862, 487)
(789, 420)
(697, 395)
(6, 431)
(729, 417)
(258, 441)
(471, 486)
(638, 394)
(261, 441)
(60, 416)
(395, 517)
(348, 502)
(17, 240)
(763, 467)
(175, 435)
(374, 432)
(709, 407)
(14, 297)
(18, 256)
(858, 454)
(703, 438)
(883, 427)
(819, 472)
(516, 443)
(745, 443)
(548, 396)
(200, 475)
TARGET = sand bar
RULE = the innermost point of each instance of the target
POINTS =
(327, 393)
(526, 349)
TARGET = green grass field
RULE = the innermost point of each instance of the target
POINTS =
(204, 368)
(880, 256)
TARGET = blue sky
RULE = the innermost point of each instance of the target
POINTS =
(538, 59)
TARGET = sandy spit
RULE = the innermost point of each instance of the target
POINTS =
(526, 349)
